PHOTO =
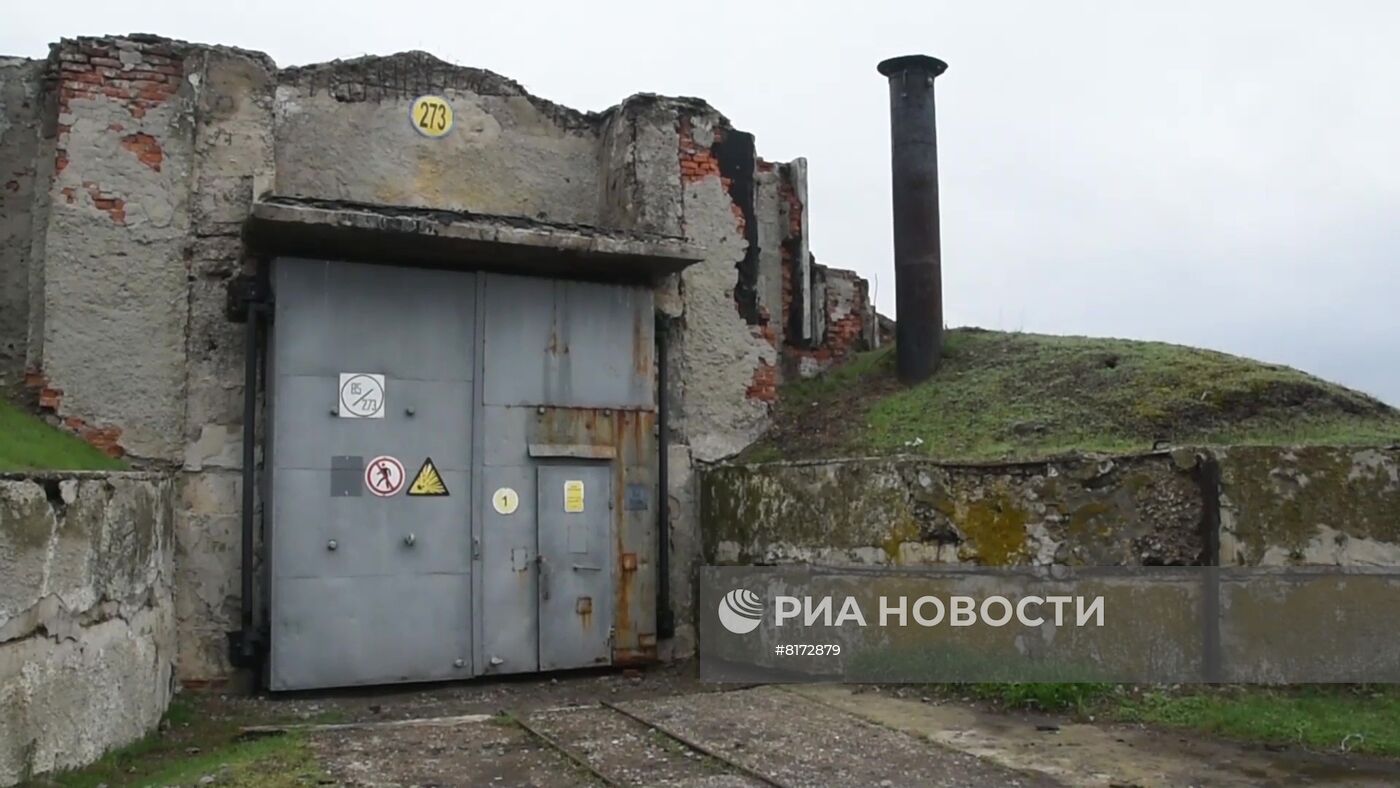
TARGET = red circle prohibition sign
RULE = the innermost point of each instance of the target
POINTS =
(384, 476)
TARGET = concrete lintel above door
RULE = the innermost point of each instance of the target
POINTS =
(360, 231)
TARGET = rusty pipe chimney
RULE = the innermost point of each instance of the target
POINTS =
(918, 264)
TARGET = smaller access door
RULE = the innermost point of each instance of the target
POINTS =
(574, 511)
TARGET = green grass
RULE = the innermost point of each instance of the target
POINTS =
(199, 737)
(1352, 718)
(1078, 698)
(1322, 718)
(28, 444)
(272, 761)
(1000, 395)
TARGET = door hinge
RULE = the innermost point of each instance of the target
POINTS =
(476, 547)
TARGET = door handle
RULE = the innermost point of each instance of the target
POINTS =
(582, 568)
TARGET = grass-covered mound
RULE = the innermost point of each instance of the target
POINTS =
(28, 444)
(1017, 395)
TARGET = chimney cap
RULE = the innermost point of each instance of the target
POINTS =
(912, 63)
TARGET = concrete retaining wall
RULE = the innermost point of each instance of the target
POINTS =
(1271, 506)
(87, 623)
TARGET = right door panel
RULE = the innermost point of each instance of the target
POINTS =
(575, 579)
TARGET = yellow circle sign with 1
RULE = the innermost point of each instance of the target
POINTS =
(431, 115)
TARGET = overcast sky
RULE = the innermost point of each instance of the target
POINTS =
(1216, 174)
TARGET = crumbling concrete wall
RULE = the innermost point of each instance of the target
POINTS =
(343, 133)
(1269, 505)
(87, 629)
(19, 140)
(1310, 505)
(910, 512)
(233, 163)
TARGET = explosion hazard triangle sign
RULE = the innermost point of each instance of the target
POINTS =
(428, 481)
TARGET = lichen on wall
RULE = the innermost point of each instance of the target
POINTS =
(1310, 505)
(906, 511)
(1275, 505)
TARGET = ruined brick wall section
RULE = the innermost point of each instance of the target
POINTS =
(727, 330)
(106, 354)
(847, 321)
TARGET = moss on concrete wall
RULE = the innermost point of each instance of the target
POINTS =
(903, 511)
(1277, 505)
(1310, 505)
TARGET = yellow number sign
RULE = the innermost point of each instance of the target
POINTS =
(431, 116)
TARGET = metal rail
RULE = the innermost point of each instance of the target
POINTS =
(579, 760)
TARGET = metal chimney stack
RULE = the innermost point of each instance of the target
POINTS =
(918, 263)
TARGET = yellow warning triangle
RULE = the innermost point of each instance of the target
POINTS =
(427, 482)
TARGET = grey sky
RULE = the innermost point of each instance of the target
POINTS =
(1210, 173)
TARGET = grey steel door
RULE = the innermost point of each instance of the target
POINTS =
(370, 584)
(574, 511)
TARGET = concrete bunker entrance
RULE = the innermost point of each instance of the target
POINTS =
(461, 471)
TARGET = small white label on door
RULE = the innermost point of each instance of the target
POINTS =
(361, 395)
(573, 496)
(505, 500)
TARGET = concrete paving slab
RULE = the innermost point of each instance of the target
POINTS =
(1098, 755)
(797, 741)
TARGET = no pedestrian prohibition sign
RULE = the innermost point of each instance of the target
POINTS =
(384, 476)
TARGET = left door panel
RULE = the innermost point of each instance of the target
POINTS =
(370, 589)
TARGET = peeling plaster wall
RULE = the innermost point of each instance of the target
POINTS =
(19, 141)
(87, 639)
(110, 361)
(1277, 506)
(343, 133)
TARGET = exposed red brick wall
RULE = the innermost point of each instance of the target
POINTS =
(93, 69)
(764, 386)
(146, 147)
(698, 163)
(845, 325)
(106, 439)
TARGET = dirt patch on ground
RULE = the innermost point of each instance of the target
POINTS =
(514, 694)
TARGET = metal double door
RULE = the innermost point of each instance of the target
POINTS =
(380, 567)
